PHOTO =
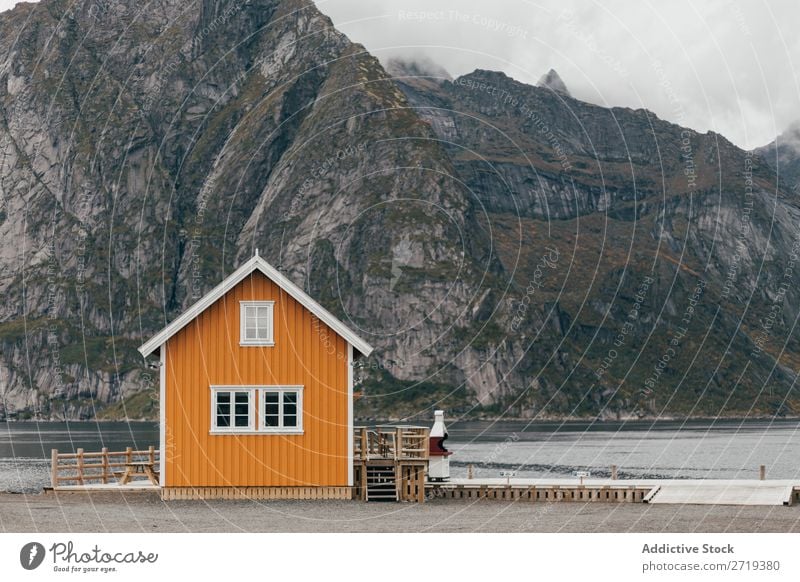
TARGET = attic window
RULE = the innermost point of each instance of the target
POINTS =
(256, 323)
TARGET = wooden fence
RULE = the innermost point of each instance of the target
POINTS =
(598, 493)
(397, 443)
(105, 466)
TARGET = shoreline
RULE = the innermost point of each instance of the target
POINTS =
(145, 512)
(541, 420)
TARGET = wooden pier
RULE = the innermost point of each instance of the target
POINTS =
(656, 491)
(390, 463)
(539, 490)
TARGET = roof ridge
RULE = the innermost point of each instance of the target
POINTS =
(255, 263)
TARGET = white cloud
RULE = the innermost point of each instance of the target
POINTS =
(7, 4)
(726, 66)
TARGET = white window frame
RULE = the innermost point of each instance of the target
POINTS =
(270, 341)
(251, 413)
(262, 427)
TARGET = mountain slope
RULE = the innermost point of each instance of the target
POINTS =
(673, 296)
(144, 157)
(507, 248)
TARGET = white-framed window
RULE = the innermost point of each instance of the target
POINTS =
(256, 323)
(280, 409)
(257, 409)
(232, 409)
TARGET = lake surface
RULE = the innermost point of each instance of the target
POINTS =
(696, 449)
(662, 449)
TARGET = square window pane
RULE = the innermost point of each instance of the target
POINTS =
(242, 398)
(224, 409)
(289, 420)
(271, 420)
(242, 421)
(242, 409)
(223, 421)
(250, 334)
(223, 397)
(271, 405)
(290, 403)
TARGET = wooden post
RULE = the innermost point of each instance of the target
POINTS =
(762, 472)
(398, 481)
(128, 455)
(80, 466)
(614, 472)
(54, 468)
(421, 484)
(151, 453)
(469, 471)
(104, 459)
(398, 443)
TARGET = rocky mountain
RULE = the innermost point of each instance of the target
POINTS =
(783, 155)
(674, 291)
(552, 80)
(508, 249)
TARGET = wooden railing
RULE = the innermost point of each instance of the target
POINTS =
(104, 466)
(398, 443)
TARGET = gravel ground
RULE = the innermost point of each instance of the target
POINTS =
(137, 512)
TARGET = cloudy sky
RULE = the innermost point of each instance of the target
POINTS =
(725, 65)
(722, 65)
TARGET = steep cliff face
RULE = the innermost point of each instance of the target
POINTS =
(147, 152)
(652, 265)
(507, 248)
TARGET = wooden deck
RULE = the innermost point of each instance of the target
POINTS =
(390, 463)
(662, 491)
(104, 470)
(132, 487)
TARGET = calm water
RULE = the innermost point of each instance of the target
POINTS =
(698, 449)
(691, 450)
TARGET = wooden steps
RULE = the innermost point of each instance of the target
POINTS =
(390, 463)
(381, 482)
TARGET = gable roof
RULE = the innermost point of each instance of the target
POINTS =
(255, 264)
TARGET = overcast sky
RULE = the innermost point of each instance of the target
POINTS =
(727, 66)
(730, 66)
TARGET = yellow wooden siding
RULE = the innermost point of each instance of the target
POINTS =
(207, 352)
